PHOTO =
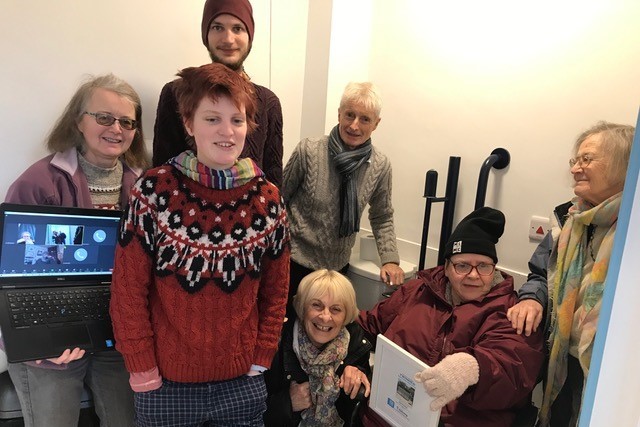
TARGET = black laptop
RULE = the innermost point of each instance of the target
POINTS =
(55, 272)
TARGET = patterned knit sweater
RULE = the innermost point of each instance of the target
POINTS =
(201, 277)
(311, 190)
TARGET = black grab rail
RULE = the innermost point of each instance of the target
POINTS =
(449, 199)
(498, 159)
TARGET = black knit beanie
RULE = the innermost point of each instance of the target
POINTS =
(477, 233)
(241, 9)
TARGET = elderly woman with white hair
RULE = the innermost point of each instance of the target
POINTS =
(569, 268)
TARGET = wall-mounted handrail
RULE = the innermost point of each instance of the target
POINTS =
(449, 200)
(498, 159)
(449, 205)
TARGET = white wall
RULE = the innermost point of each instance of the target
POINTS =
(351, 47)
(48, 49)
(458, 78)
(461, 78)
(288, 56)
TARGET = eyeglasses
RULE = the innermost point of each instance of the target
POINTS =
(106, 119)
(483, 269)
(582, 161)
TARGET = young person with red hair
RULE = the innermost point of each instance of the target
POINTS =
(202, 269)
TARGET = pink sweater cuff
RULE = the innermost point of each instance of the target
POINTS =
(145, 381)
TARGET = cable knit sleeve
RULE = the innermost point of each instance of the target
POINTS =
(381, 216)
(293, 174)
(132, 277)
(273, 290)
(273, 147)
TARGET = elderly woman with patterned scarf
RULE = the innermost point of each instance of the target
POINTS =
(574, 260)
(327, 183)
(320, 371)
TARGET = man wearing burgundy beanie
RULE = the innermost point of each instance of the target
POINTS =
(227, 33)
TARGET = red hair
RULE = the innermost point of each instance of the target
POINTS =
(213, 81)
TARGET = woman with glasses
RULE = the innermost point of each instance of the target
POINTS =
(98, 152)
(453, 318)
(569, 268)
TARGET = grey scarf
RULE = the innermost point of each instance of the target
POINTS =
(347, 163)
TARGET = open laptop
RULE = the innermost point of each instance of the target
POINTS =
(55, 272)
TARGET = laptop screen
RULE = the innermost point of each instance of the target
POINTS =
(58, 243)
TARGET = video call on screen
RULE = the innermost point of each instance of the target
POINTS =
(36, 244)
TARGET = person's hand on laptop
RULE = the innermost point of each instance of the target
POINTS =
(66, 357)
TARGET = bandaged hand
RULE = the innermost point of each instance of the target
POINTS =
(449, 379)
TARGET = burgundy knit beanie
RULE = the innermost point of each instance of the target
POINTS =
(241, 9)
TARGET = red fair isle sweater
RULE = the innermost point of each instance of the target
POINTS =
(201, 277)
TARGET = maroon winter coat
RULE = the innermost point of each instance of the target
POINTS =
(418, 318)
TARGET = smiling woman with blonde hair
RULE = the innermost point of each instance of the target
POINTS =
(323, 359)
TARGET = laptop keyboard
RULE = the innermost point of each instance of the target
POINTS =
(30, 308)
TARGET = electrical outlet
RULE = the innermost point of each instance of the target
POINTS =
(538, 227)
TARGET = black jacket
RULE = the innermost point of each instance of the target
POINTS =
(286, 368)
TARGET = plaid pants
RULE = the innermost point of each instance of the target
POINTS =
(240, 401)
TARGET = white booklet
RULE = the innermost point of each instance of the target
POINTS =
(395, 395)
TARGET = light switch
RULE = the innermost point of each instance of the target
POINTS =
(538, 227)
